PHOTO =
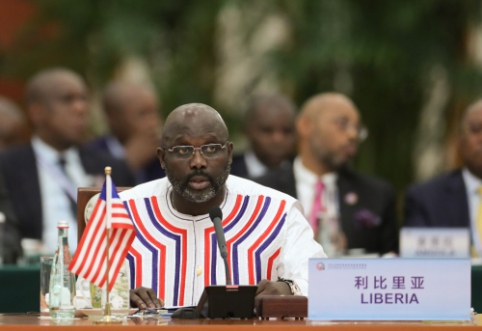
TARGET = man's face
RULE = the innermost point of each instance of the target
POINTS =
(470, 140)
(271, 133)
(333, 135)
(139, 116)
(65, 111)
(197, 178)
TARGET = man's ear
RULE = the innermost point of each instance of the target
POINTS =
(161, 154)
(36, 113)
(303, 126)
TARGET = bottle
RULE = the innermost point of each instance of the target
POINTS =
(62, 281)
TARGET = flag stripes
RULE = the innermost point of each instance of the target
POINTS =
(90, 259)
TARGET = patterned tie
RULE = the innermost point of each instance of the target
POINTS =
(317, 206)
(73, 204)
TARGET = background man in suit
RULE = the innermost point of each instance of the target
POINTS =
(134, 123)
(346, 209)
(270, 129)
(42, 177)
(453, 199)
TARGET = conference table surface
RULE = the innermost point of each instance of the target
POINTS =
(26, 322)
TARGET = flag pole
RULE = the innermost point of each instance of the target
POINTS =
(108, 318)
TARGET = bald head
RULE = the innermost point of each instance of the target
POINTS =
(270, 128)
(329, 130)
(132, 111)
(118, 94)
(276, 104)
(194, 119)
(42, 87)
(57, 105)
(319, 103)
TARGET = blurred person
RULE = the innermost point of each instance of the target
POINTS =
(259, 222)
(134, 122)
(269, 127)
(12, 124)
(453, 199)
(10, 234)
(347, 210)
(42, 176)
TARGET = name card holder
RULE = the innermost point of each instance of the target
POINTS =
(435, 243)
(389, 289)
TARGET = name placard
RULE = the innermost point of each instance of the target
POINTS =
(389, 289)
(435, 243)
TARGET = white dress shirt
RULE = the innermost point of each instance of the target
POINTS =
(305, 189)
(115, 147)
(55, 202)
(328, 224)
(254, 166)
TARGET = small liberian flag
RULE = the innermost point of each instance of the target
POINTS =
(90, 259)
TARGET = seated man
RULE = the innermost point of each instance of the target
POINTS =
(42, 176)
(175, 254)
(269, 127)
(453, 199)
(134, 123)
(347, 209)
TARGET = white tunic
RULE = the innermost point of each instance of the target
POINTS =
(176, 254)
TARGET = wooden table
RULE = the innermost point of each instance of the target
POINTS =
(23, 322)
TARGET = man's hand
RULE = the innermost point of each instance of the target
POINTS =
(267, 287)
(143, 297)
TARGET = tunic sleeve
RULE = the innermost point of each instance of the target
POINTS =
(299, 246)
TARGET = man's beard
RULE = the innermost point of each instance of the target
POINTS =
(182, 186)
(330, 159)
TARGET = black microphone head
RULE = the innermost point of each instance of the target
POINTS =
(214, 212)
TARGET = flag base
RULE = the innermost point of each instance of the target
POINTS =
(108, 319)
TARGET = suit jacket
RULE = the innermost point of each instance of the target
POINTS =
(367, 207)
(10, 236)
(238, 166)
(150, 171)
(439, 202)
(19, 169)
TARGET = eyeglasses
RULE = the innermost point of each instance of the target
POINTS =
(208, 151)
(344, 124)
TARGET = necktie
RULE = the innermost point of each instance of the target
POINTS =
(317, 206)
(73, 204)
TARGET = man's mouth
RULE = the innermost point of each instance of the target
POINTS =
(350, 150)
(199, 182)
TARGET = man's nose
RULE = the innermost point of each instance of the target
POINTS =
(80, 106)
(353, 132)
(197, 160)
(278, 137)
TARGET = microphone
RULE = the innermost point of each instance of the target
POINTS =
(216, 216)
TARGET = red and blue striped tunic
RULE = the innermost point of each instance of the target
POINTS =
(177, 255)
